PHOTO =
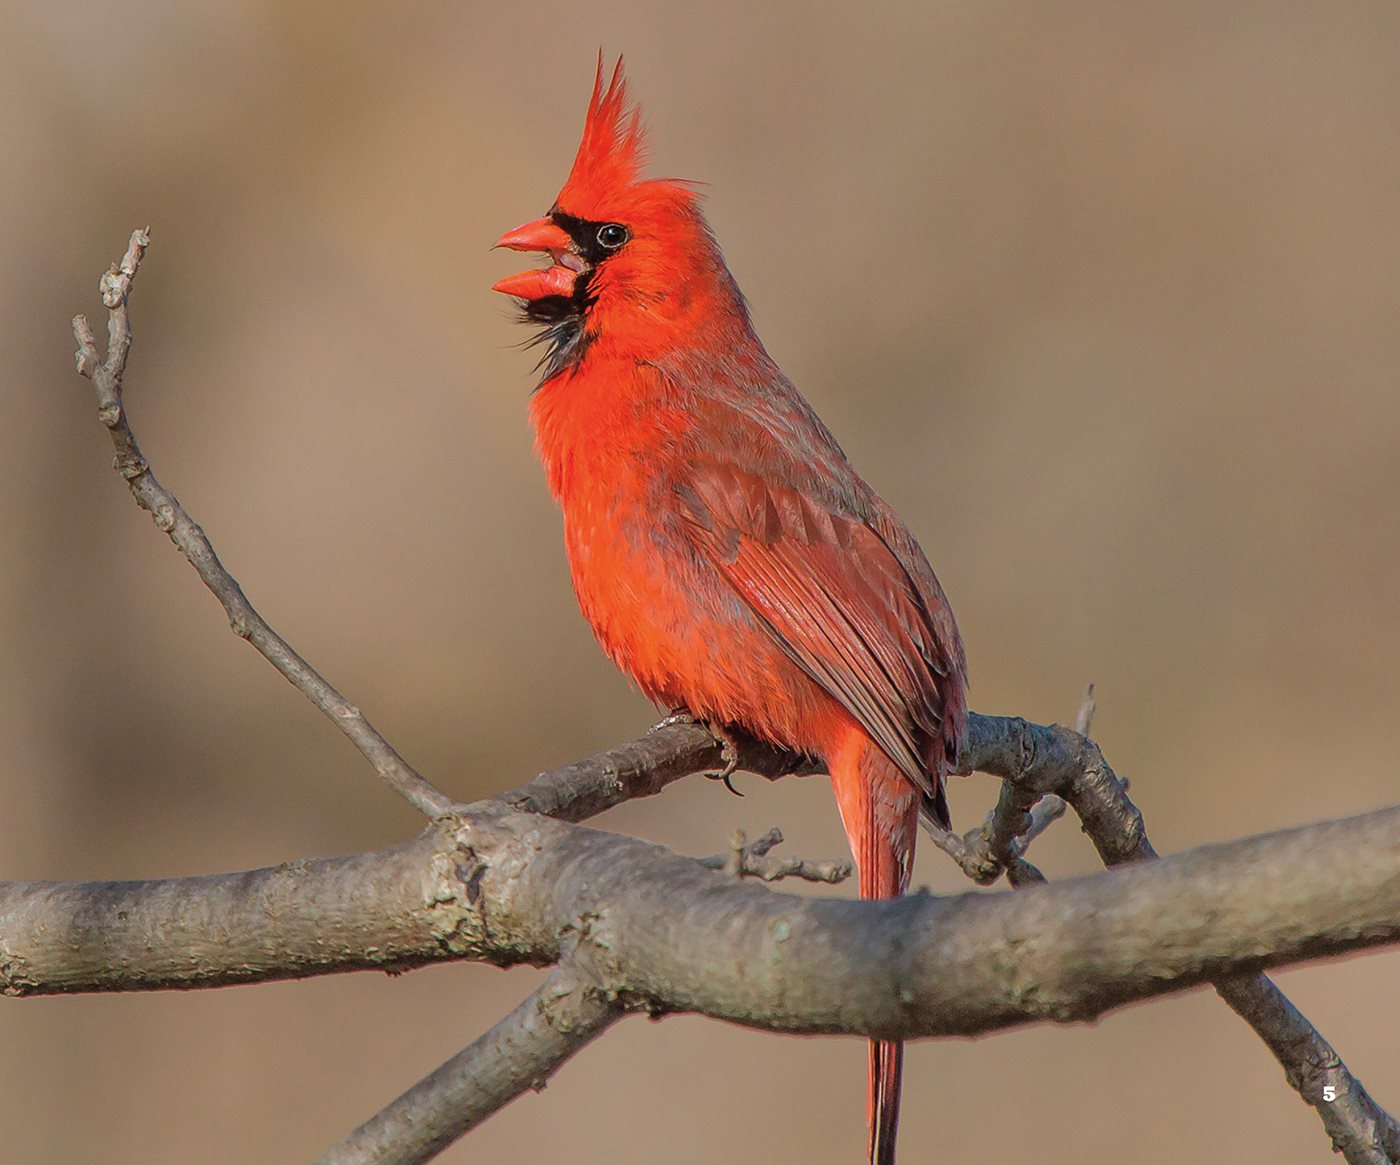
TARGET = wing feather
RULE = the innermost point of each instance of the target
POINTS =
(839, 599)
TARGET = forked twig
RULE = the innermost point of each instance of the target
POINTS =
(750, 859)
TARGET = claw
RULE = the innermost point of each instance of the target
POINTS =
(729, 750)
(729, 753)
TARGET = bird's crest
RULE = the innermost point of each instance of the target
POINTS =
(613, 150)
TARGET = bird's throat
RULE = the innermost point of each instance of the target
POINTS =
(560, 320)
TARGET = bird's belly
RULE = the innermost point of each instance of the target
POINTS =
(669, 620)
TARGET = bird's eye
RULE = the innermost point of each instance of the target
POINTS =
(612, 235)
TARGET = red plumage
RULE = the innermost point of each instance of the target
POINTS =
(728, 557)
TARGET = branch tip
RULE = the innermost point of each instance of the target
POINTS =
(1084, 721)
(171, 517)
(749, 859)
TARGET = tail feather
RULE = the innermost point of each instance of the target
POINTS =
(882, 1108)
(880, 812)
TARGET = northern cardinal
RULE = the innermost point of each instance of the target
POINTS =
(729, 558)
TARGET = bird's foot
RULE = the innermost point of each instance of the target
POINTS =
(681, 715)
(729, 748)
(729, 753)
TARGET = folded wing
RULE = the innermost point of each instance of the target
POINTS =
(834, 592)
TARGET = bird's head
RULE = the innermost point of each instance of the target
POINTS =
(630, 257)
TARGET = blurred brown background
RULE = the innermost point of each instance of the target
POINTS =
(1102, 297)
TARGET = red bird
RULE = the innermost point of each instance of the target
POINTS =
(729, 558)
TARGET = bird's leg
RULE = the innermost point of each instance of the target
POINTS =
(729, 753)
(729, 748)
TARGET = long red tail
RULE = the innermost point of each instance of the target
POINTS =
(882, 1107)
(880, 811)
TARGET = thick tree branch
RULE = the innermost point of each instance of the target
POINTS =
(191, 541)
(377, 910)
(669, 935)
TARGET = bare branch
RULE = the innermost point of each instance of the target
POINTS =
(384, 910)
(972, 852)
(749, 859)
(1050, 808)
(190, 539)
(1044, 813)
(1359, 1128)
(642, 768)
(512, 888)
(1084, 718)
(519, 1053)
(1033, 761)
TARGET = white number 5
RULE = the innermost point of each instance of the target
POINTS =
(1329, 1092)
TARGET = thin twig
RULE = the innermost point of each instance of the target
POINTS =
(749, 859)
(972, 852)
(1050, 808)
(1361, 1130)
(1084, 718)
(1022, 813)
(190, 539)
(520, 1053)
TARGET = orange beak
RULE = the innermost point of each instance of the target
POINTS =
(548, 237)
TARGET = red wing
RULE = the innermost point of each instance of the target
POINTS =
(837, 599)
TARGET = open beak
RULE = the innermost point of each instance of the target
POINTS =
(548, 237)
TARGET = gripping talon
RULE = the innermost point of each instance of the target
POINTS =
(729, 753)
(729, 750)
